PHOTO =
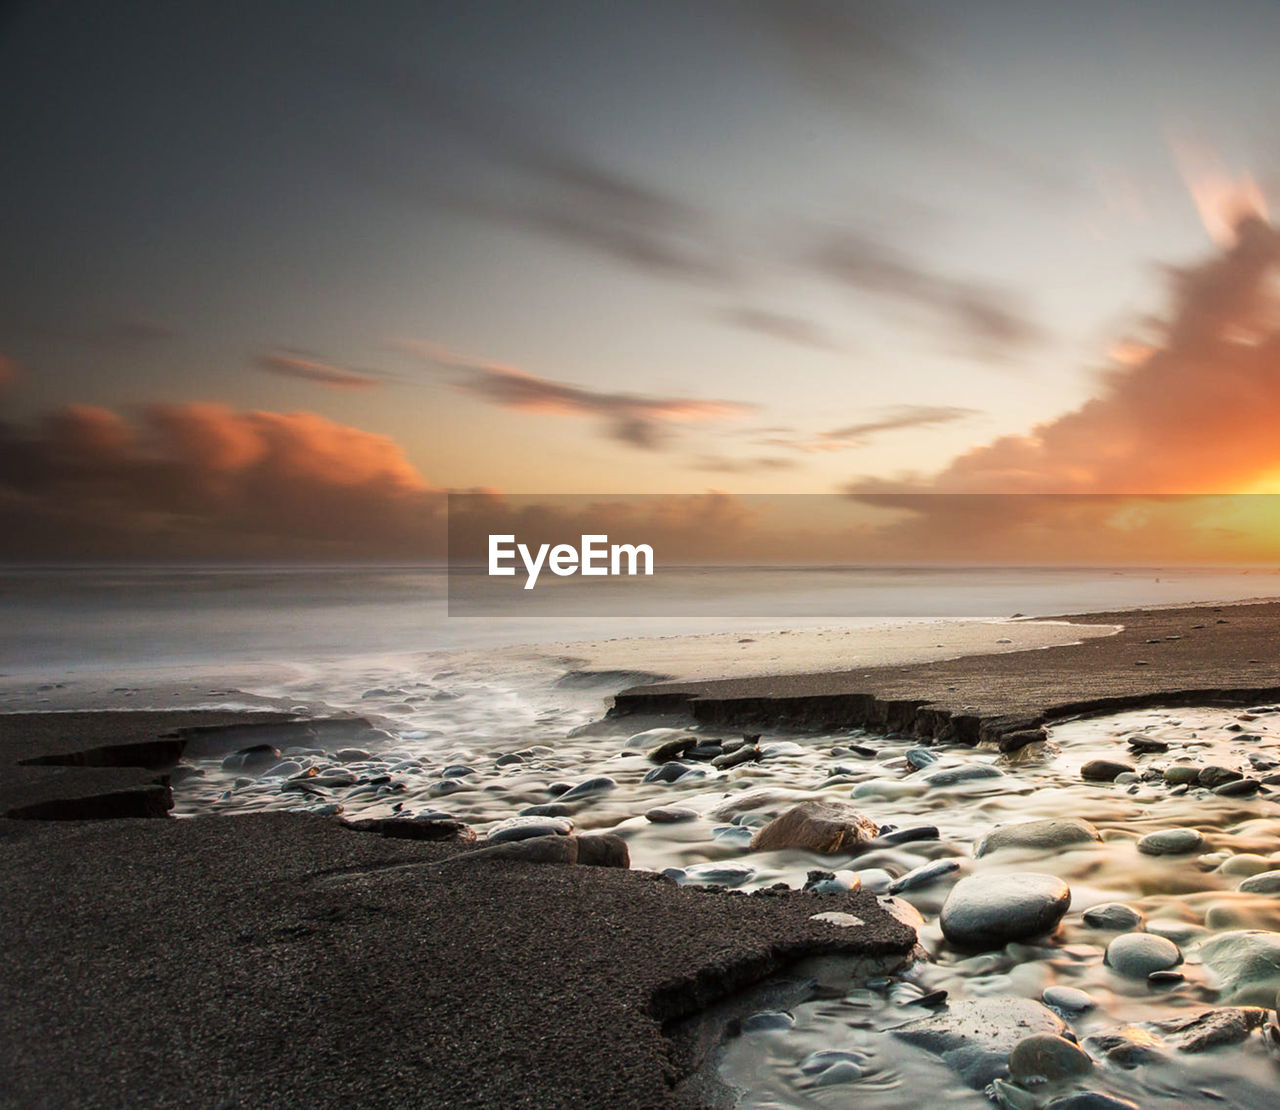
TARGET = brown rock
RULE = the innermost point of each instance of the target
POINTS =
(817, 827)
(405, 828)
(672, 749)
(1211, 1028)
(606, 850)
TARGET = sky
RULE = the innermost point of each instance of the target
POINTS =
(279, 276)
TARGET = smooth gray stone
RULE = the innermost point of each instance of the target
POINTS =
(1113, 915)
(923, 875)
(1137, 955)
(767, 1021)
(668, 772)
(1265, 882)
(1049, 834)
(589, 789)
(988, 911)
(524, 828)
(1105, 770)
(670, 815)
(1171, 842)
(1067, 999)
(954, 776)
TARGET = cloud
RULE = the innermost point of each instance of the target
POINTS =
(296, 364)
(204, 480)
(898, 418)
(989, 320)
(636, 419)
(723, 464)
(780, 326)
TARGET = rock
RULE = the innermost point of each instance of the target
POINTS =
(1211, 1028)
(1246, 864)
(668, 772)
(1247, 961)
(767, 1021)
(705, 751)
(1171, 842)
(672, 749)
(987, 911)
(920, 758)
(745, 754)
(1050, 834)
(720, 874)
(1043, 1056)
(1016, 741)
(1266, 882)
(923, 875)
(670, 815)
(1146, 745)
(547, 809)
(823, 827)
(352, 755)
(445, 787)
(1128, 1046)
(1104, 770)
(1214, 776)
(908, 835)
(508, 760)
(876, 879)
(1113, 915)
(976, 1036)
(415, 828)
(1137, 955)
(1067, 999)
(589, 789)
(1238, 788)
(1181, 774)
(817, 1062)
(258, 757)
(844, 1072)
(456, 771)
(592, 851)
(954, 776)
(525, 828)
(1091, 1100)
(831, 882)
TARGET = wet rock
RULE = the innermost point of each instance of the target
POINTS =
(352, 755)
(1171, 842)
(1128, 1046)
(1067, 999)
(593, 851)
(843, 1072)
(831, 882)
(1113, 915)
(546, 809)
(920, 758)
(823, 827)
(672, 749)
(508, 760)
(720, 874)
(1043, 1056)
(1247, 961)
(1016, 741)
(455, 771)
(976, 1036)
(415, 828)
(1091, 1100)
(1105, 770)
(1137, 955)
(988, 911)
(1146, 745)
(525, 828)
(1266, 882)
(445, 787)
(1181, 774)
(704, 752)
(1211, 1028)
(1050, 834)
(670, 815)
(668, 772)
(1214, 776)
(908, 835)
(954, 776)
(923, 875)
(257, 758)
(876, 879)
(817, 1062)
(1246, 864)
(589, 789)
(1238, 788)
(767, 1021)
(748, 753)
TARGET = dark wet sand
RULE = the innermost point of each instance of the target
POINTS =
(1228, 654)
(285, 960)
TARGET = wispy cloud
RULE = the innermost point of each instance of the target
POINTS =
(781, 326)
(849, 436)
(297, 364)
(639, 420)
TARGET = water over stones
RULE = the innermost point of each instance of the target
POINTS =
(1171, 842)
(924, 875)
(1211, 1028)
(1046, 1057)
(1138, 955)
(988, 911)
(956, 776)
(602, 784)
(1051, 834)
(976, 1036)
(814, 826)
(525, 828)
(1247, 963)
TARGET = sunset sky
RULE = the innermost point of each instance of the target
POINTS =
(272, 269)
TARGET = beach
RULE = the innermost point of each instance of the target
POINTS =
(297, 932)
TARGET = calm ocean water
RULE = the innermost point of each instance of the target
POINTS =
(112, 616)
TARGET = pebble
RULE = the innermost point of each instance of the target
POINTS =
(1214, 776)
(1104, 770)
(1050, 834)
(919, 758)
(1181, 774)
(1247, 961)
(1044, 1056)
(668, 772)
(1067, 999)
(523, 828)
(1137, 955)
(954, 776)
(1113, 915)
(817, 1062)
(1265, 882)
(1171, 842)
(923, 875)
(908, 835)
(670, 815)
(589, 789)
(988, 911)
(767, 1021)
(1147, 744)
(844, 1072)
(1238, 788)
(547, 809)
(720, 874)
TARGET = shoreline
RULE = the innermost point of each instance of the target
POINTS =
(310, 958)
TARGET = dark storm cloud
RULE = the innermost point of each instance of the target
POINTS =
(990, 321)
